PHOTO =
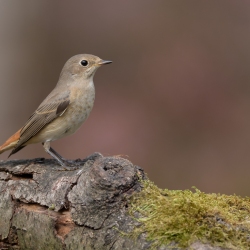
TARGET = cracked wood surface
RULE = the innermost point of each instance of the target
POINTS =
(42, 206)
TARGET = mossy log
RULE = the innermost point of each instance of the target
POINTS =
(43, 206)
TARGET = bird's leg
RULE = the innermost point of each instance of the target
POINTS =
(53, 153)
(58, 155)
(63, 162)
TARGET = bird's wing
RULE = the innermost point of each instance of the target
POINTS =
(50, 109)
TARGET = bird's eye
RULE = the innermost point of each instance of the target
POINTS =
(84, 63)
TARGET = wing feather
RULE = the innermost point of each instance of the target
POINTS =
(46, 113)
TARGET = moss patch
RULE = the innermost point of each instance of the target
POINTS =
(185, 217)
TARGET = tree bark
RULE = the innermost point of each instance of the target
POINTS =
(43, 206)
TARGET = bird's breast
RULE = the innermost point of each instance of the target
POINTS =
(81, 104)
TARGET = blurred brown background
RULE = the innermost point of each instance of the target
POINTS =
(176, 100)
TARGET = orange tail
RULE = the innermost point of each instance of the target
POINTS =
(11, 142)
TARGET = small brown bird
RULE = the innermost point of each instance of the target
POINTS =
(64, 110)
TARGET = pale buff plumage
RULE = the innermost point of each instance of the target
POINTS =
(64, 110)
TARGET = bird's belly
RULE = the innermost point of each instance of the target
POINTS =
(73, 119)
(68, 122)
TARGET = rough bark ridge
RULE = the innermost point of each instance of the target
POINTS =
(42, 206)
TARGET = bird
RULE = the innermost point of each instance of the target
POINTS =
(63, 111)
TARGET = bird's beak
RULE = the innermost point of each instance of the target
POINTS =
(102, 62)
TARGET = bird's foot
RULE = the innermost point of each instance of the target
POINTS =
(91, 157)
(76, 164)
(39, 160)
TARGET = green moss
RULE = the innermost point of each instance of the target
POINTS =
(185, 217)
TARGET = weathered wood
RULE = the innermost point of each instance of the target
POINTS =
(42, 206)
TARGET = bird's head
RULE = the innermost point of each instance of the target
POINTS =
(82, 66)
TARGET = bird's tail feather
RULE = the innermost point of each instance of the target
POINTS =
(11, 142)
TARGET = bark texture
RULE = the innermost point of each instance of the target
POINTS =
(42, 206)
